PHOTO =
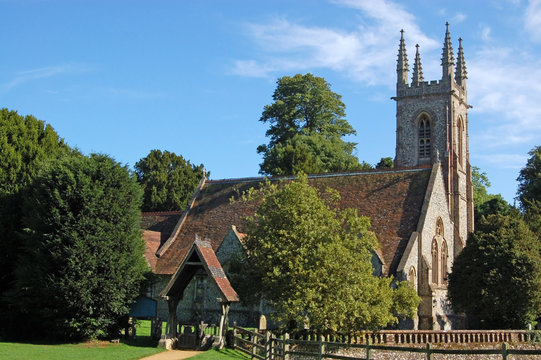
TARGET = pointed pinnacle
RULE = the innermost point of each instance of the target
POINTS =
(417, 68)
(460, 73)
(402, 62)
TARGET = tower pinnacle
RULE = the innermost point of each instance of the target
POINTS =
(447, 58)
(417, 69)
(402, 63)
(461, 74)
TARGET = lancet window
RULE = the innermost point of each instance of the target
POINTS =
(460, 142)
(439, 227)
(444, 261)
(435, 259)
(411, 276)
(424, 137)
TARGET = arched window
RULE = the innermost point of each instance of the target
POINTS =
(460, 142)
(444, 261)
(439, 226)
(434, 261)
(411, 276)
(424, 137)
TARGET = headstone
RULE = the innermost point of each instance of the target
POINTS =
(262, 322)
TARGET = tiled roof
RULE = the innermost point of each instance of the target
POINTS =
(152, 241)
(202, 251)
(161, 222)
(392, 199)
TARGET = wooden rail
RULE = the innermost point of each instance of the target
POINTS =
(266, 346)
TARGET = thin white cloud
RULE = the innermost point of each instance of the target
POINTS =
(532, 19)
(365, 54)
(458, 18)
(507, 86)
(485, 33)
(506, 161)
(252, 68)
(42, 73)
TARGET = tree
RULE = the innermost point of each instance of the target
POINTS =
(532, 216)
(312, 262)
(529, 188)
(385, 163)
(25, 143)
(83, 260)
(480, 184)
(496, 279)
(168, 180)
(307, 125)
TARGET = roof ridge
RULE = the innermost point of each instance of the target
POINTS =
(180, 222)
(326, 175)
(152, 213)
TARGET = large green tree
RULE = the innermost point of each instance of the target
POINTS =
(385, 163)
(312, 262)
(496, 279)
(486, 204)
(168, 180)
(529, 188)
(307, 126)
(25, 143)
(83, 261)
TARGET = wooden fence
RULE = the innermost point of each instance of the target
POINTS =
(265, 346)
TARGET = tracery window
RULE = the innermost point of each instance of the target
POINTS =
(424, 137)
(434, 261)
(444, 261)
(439, 226)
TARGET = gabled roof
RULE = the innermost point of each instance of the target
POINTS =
(157, 227)
(152, 244)
(391, 198)
(200, 257)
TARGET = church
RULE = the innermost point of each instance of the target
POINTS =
(421, 210)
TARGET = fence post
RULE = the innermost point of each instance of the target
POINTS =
(253, 341)
(321, 347)
(268, 346)
(286, 346)
(429, 355)
(504, 351)
(234, 342)
(367, 348)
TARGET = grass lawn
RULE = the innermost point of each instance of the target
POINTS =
(220, 354)
(98, 351)
(130, 350)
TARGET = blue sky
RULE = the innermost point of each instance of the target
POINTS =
(192, 77)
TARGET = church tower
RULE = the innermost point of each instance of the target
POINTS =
(432, 128)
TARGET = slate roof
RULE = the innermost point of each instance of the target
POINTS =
(391, 198)
(200, 256)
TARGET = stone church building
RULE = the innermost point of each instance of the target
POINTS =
(421, 210)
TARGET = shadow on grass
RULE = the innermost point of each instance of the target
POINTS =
(221, 354)
(141, 341)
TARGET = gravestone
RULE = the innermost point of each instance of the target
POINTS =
(262, 322)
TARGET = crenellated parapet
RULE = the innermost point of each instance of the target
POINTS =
(433, 87)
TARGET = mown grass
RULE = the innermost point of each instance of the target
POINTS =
(220, 354)
(97, 350)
